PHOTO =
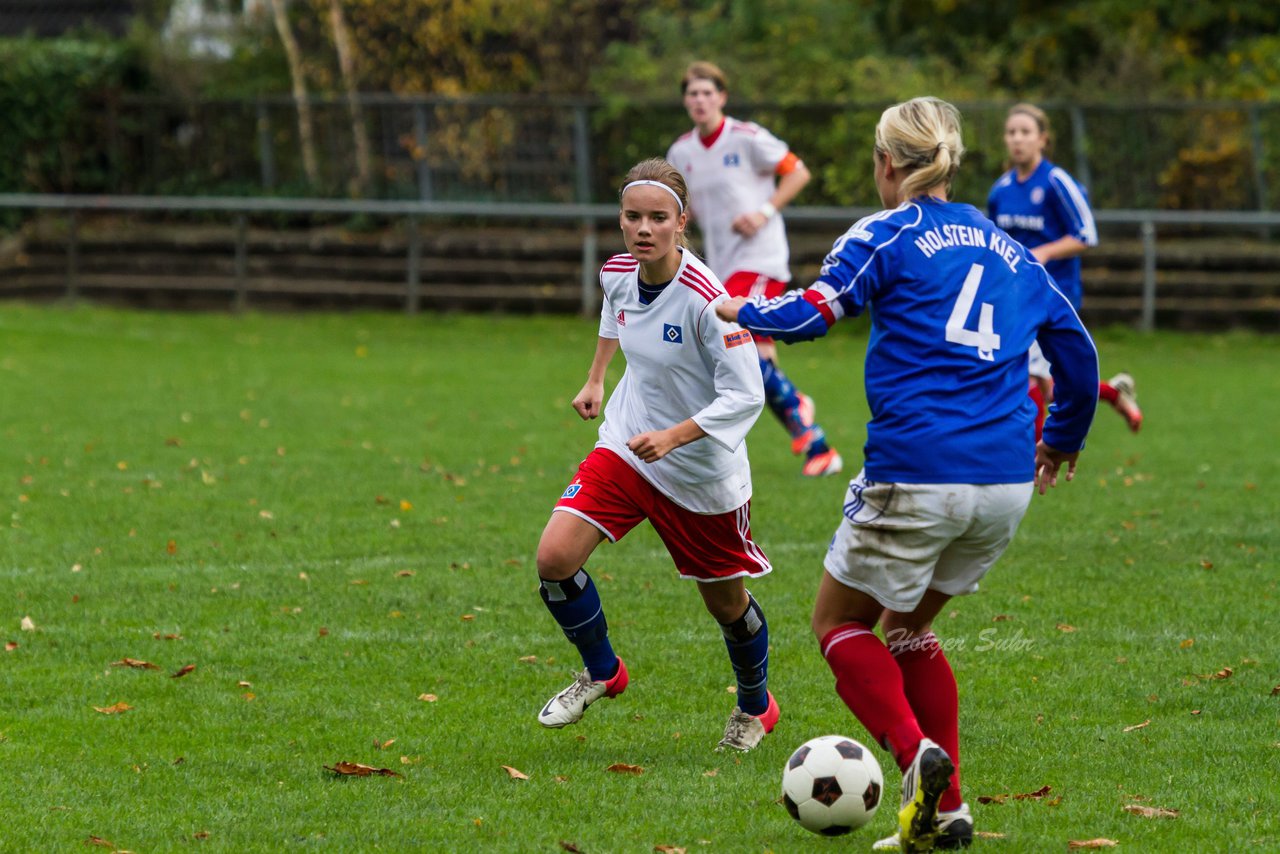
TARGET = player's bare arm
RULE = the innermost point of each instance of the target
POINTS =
(728, 309)
(1064, 247)
(653, 445)
(789, 186)
(588, 401)
(1048, 462)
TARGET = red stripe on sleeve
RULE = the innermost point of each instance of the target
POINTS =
(816, 300)
(697, 287)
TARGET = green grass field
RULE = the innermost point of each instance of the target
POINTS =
(332, 516)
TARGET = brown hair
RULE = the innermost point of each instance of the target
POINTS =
(703, 70)
(921, 136)
(658, 169)
(1040, 117)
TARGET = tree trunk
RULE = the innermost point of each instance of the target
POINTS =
(280, 12)
(347, 63)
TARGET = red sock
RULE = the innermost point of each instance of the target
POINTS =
(1038, 396)
(930, 687)
(1107, 392)
(870, 683)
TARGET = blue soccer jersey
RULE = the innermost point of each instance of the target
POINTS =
(955, 304)
(1047, 206)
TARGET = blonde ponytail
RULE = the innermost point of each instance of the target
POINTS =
(921, 137)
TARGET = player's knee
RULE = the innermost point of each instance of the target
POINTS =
(555, 561)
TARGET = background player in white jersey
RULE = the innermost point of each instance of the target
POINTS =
(1046, 210)
(950, 453)
(672, 449)
(739, 177)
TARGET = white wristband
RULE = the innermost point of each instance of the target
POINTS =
(768, 210)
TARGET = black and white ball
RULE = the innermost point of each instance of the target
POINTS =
(832, 785)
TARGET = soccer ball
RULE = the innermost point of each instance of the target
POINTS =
(832, 785)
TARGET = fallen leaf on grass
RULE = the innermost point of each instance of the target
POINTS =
(135, 663)
(988, 834)
(466, 618)
(1275, 692)
(1038, 794)
(10, 646)
(243, 684)
(1150, 812)
(428, 698)
(711, 773)
(528, 659)
(98, 840)
(1205, 563)
(159, 636)
(1224, 673)
(1000, 618)
(1064, 627)
(383, 745)
(570, 847)
(28, 625)
(1187, 644)
(1033, 796)
(405, 573)
(622, 768)
(113, 710)
(514, 773)
(200, 834)
(1137, 726)
(183, 671)
(1092, 843)
(668, 849)
(355, 769)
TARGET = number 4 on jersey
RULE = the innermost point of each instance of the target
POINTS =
(985, 339)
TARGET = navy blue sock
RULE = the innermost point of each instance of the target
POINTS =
(748, 641)
(784, 402)
(779, 393)
(575, 604)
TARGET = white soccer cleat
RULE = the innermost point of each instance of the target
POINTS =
(1126, 402)
(821, 465)
(570, 705)
(955, 831)
(925, 780)
(745, 731)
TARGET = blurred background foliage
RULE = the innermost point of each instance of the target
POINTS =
(84, 106)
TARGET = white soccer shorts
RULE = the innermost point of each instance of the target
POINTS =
(898, 540)
(1038, 365)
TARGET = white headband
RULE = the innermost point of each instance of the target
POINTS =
(674, 194)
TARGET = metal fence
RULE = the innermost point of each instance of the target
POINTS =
(1147, 222)
(1188, 156)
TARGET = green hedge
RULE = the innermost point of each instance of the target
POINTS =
(55, 97)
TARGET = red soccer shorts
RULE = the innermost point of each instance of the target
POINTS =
(747, 284)
(613, 497)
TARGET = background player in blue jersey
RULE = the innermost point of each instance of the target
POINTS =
(950, 458)
(672, 449)
(1041, 206)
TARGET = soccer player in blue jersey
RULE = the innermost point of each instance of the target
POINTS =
(950, 459)
(672, 449)
(1044, 209)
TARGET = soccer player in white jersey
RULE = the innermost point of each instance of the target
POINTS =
(1047, 211)
(672, 449)
(739, 177)
(951, 459)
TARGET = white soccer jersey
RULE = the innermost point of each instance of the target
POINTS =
(682, 362)
(735, 175)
